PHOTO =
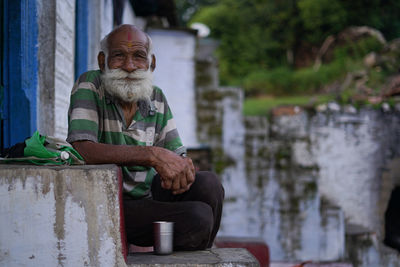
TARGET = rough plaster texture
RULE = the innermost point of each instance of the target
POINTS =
(46, 50)
(56, 64)
(100, 24)
(59, 216)
(64, 63)
(174, 74)
(325, 170)
(308, 175)
(221, 257)
(56, 54)
(351, 152)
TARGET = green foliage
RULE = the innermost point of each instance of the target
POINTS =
(249, 37)
(358, 50)
(271, 82)
(256, 36)
(186, 8)
(321, 18)
(285, 81)
(262, 105)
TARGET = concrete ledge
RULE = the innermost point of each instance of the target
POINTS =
(60, 216)
(213, 257)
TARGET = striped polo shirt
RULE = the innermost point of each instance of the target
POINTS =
(96, 116)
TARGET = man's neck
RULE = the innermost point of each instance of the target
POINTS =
(129, 109)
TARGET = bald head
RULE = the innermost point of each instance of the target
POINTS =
(129, 44)
(128, 30)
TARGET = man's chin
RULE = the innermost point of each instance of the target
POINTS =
(128, 89)
(130, 94)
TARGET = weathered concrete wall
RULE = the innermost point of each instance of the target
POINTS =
(310, 177)
(218, 257)
(56, 216)
(64, 63)
(56, 54)
(174, 74)
(320, 176)
(352, 152)
(100, 24)
(46, 51)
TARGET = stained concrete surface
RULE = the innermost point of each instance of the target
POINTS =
(60, 216)
(213, 257)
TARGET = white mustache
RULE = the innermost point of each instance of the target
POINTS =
(128, 86)
(118, 74)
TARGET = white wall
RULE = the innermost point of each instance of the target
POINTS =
(100, 24)
(56, 54)
(64, 63)
(175, 75)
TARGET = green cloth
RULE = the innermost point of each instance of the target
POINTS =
(44, 150)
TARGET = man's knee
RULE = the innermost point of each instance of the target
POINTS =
(196, 229)
(210, 184)
(210, 180)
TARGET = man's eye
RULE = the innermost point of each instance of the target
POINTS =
(141, 56)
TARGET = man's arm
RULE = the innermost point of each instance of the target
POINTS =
(177, 173)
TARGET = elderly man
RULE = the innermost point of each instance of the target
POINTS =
(117, 116)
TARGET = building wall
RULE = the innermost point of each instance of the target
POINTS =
(56, 55)
(175, 75)
(100, 23)
(64, 63)
(46, 77)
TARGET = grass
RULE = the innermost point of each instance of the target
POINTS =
(262, 105)
(267, 89)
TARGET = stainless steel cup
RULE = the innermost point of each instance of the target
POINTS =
(163, 237)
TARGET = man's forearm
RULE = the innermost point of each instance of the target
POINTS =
(98, 153)
(177, 173)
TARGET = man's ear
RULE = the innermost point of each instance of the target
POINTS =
(153, 62)
(101, 60)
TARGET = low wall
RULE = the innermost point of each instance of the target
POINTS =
(60, 216)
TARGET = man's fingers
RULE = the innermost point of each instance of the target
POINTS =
(183, 182)
(176, 185)
(166, 184)
(192, 169)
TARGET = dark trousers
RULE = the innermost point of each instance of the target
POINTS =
(196, 213)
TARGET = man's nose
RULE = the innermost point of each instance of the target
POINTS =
(129, 65)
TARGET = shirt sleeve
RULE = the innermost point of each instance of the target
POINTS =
(83, 116)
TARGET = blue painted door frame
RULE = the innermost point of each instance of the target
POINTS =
(20, 70)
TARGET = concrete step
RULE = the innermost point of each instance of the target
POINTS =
(310, 264)
(256, 246)
(235, 257)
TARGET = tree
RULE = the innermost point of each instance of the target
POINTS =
(259, 35)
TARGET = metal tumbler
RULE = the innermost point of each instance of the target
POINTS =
(163, 237)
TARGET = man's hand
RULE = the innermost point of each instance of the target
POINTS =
(177, 173)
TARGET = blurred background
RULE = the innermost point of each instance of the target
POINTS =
(299, 48)
(295, 104)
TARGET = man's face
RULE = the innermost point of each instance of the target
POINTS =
(126, 72)
(127, 50)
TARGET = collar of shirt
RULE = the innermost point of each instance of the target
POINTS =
(146, 108)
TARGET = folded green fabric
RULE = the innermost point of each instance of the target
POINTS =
(45, 150)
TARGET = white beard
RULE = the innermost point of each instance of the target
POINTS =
(139, 88)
